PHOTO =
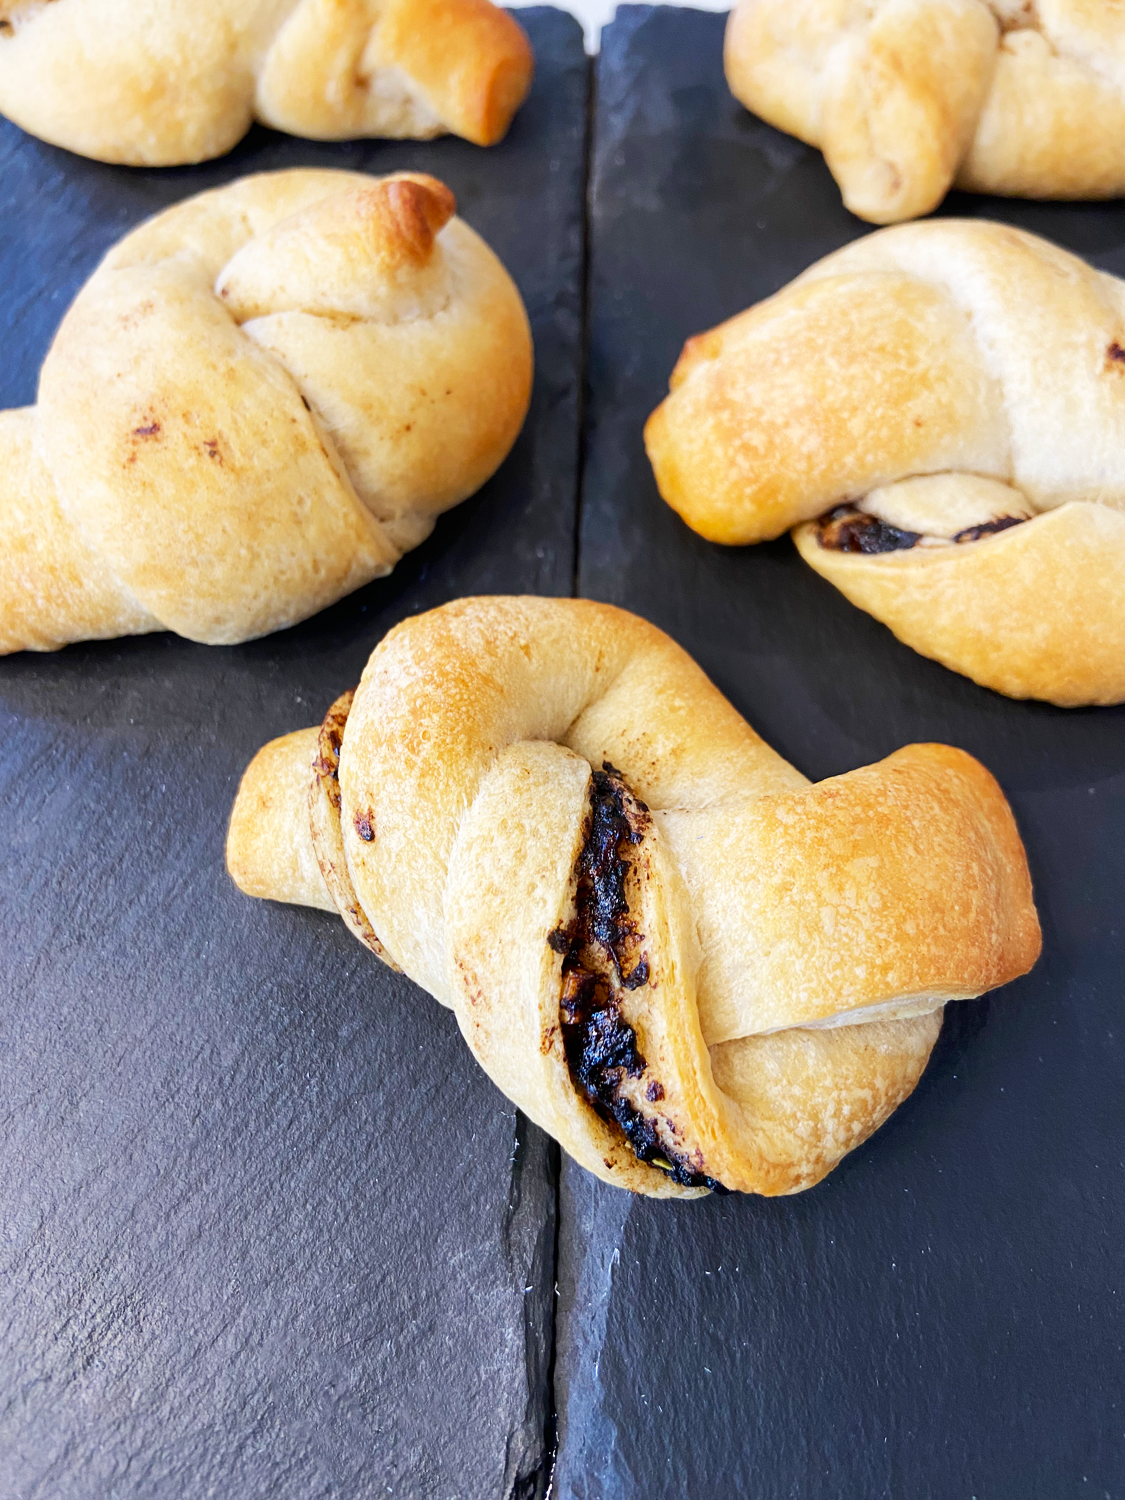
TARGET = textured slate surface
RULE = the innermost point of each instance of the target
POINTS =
(943, 1316)
(268, 1231)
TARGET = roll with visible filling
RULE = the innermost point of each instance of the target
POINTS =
(939, 411)
(695, 969)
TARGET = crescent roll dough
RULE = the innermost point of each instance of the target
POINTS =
(949, 399)
(257, 403)
(908, 97)
(160, 82)
(692, 967)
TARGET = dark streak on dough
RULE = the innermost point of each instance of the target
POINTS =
(989, 528)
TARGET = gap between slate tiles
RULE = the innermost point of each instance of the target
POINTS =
(538, 1485)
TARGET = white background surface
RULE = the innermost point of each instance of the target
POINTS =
(595, 13)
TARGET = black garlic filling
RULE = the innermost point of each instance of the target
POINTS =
(846, 529)
(988, 528)
(604, 962)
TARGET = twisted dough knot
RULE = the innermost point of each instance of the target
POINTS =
(689, 965)
(908, 97)
(259, 401)
(157, 82)
(955, 379)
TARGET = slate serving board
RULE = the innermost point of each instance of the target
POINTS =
(267, 1229)
(943, 1316)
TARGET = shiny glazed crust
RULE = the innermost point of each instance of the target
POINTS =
(772, 979)
(945, 348)
(260, 400)
(908, 97)
(158, 83)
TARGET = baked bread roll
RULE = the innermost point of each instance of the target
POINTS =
(157, 83)
(692, 967)
(907, 98)
(257, 403)
(948, 399)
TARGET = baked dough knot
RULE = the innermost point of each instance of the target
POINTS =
(949, 399)
(907, 98)
(258, 402)
(692, 967)
(159, 83)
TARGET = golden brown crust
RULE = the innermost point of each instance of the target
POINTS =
(903, 881)
(155, 83)
(264, 396)
(308, 261)
(974, 354)
(904, 96)
(1053, 124)
(828, 389)
(471, 59)
(658, 939)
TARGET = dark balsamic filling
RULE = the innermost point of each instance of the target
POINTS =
(989, 528)
(845, 529)
(601, 1047)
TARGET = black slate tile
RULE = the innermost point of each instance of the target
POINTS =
(268, 1230)
(943, 1316)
